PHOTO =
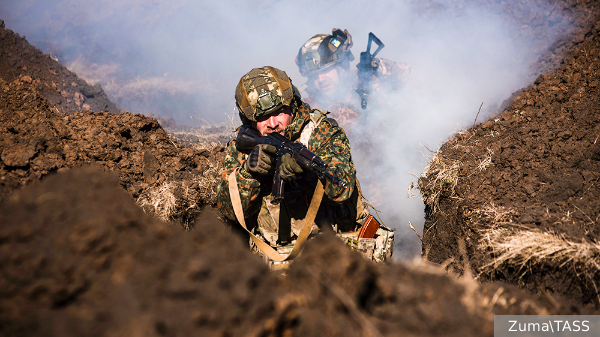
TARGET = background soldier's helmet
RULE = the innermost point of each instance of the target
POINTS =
(262, 91)
(323, 51)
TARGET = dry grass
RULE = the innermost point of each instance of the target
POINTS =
(442, 172)
(204, 132)
(207, 184)
(440, 175)
(190, 136)
(493, 215)
(479, 302)
(209, 146)
(210, 179)
(526, 247)
(174, 202)
(160, 200)
(487, 161)
(487, 304)
(180, 201)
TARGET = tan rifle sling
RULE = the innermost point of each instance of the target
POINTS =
(271, 253)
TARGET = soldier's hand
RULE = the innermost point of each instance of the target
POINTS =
(259, 161)
(289, 168)
(375, 64)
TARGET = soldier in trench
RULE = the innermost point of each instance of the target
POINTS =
(268, 102)
(331, 84)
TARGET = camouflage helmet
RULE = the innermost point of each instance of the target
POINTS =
(323, 51)
(263, 91)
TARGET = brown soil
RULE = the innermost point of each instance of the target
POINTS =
(61, 87)
(37, 140)
(523, 189)
(47, 125)
(79, 258)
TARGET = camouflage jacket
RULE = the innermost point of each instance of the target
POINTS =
(327, 140)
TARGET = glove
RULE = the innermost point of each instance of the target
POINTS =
(375, 63)
(289, 168)
(259, 161)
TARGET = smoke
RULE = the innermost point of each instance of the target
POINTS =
(183, 59)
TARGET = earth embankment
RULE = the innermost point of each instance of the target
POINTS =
(522, 189)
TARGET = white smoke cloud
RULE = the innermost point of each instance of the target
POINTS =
(460, 57)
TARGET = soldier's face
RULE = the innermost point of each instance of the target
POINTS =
(327, 80)
(275, 122)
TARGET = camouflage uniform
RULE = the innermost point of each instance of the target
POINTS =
(342, 208)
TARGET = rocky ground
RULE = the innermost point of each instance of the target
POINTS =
(84, 251)
(523, 189)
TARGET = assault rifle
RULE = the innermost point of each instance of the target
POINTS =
(366, 70)
(248, 138)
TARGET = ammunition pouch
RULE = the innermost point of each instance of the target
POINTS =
(378, 245)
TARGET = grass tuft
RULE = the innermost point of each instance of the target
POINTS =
(440, 175)
(526, 247)
(515, 245)
(180, 201)
(159, 200)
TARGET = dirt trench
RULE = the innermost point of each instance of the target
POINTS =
(522, 189)
(79, 256)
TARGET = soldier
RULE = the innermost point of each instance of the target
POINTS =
(268, 102)
(325, 61)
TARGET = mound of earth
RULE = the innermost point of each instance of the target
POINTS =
(47, 125)
(61, 87)
(79, 258)
(68, 93)
(523, 190)
(36, 140)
